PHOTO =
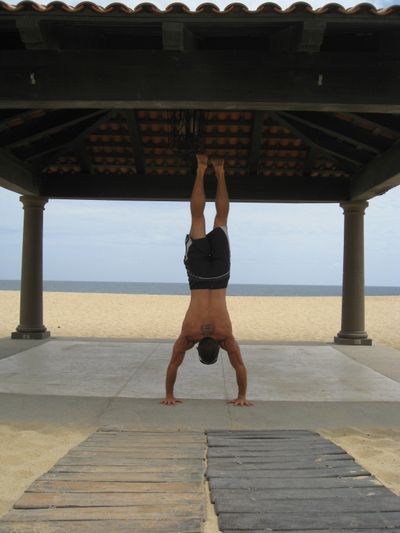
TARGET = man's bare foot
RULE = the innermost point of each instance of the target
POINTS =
(218, 165)
(202, 160)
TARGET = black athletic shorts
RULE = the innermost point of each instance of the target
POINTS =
(208, 260)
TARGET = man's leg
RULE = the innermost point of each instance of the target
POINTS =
(222, 197)
(198, 200)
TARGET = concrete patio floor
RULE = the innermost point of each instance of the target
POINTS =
(105, 382)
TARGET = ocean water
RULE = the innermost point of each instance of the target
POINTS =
(119, 287)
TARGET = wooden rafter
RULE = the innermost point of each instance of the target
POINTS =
(137, 145)
(380, 175)
(255, 142)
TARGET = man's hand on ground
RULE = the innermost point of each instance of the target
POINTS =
(241, 402)
(170, 400)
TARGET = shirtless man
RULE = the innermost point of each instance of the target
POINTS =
(207, 262)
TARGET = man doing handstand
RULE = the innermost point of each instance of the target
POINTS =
(207, 261)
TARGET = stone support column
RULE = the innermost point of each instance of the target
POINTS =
(353, 311)
(31, 302)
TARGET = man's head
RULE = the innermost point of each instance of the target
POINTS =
(208, 349)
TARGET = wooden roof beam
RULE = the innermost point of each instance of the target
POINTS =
(199, 79)
(15, 176)
(251, 188)
(53, 151)
(379, 176)
(341, 155)
(341, 130)
(37, 129)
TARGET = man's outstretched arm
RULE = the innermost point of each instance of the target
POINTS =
(178, 354)
(235, 358)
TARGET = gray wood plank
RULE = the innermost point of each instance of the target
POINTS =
(140, 467)
(142, 477)
(227, 451)
(254, 433)
(282, 457)
(187, 525)
(255, 442)
(216, 453)
(284, 465)
(277, 483)
(116, 460)
(345, 504)
(363, 530)
(302, 493)
(38, 500)
(296, 521)
(354, 471)
(110, 486)
(141, 512)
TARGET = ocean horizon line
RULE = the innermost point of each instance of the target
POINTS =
(180, 288)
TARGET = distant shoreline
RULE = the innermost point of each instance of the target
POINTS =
(157, 288)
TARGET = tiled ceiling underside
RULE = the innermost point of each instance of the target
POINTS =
(290, 144)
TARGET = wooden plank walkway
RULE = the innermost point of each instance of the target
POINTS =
(294, 481)
(118, 481)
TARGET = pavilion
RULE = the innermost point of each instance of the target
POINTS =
(303, 105)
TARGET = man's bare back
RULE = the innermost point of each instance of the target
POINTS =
(207, 316)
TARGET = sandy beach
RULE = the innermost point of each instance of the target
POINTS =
(271, 319)
(29, 450)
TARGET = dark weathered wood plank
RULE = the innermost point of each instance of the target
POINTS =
(254, 433)
(215, 473)
(277, 483)
(279, 464)
(312, 505)
(286, 444)
(295, 521)
(187, 525)
(293, 456)
(330, 530)
(292, 485)
(298, 494)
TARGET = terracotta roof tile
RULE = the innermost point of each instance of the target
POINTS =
(205, 8)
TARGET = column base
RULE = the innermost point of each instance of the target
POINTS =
(354, 342)
(30, 335)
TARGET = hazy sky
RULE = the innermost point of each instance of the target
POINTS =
(144, 241)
